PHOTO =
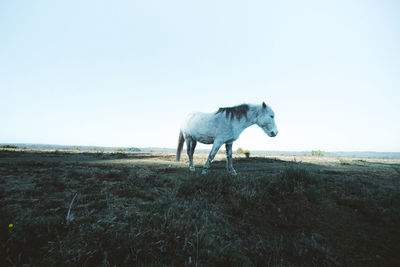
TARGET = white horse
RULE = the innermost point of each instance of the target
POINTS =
(223, 127)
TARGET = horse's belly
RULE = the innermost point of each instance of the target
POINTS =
(204, 139)
(200, 127)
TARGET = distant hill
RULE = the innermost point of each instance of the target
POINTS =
(65, 147)
(351, 154)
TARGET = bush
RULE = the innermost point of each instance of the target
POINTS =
(293, 179)
(317, 153)
(8, 146)
(245, 152)
(132, 149)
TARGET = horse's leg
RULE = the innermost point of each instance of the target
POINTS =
(190, 144)
(229, 165)
(214, 150)
(192, 147)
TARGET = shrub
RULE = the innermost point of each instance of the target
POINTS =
(245, 152)
(8, 146)
(317, 153)
(299, 181)
(132, 149)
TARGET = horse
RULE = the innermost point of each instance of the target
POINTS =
(223, 127)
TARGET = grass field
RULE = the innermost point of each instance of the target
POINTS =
(146, 209)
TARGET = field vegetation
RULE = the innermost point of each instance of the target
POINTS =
(95, 208)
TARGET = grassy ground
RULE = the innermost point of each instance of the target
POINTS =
(145, 209)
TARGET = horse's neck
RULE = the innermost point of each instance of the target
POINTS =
(249, 120)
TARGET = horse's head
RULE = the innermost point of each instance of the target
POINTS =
(266, 121)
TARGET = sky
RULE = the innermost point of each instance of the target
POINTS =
(125, 73)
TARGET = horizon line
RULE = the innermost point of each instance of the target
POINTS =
(201, 149)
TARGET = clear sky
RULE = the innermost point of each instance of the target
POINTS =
(125, 73)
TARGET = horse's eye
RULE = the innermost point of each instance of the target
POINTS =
(272, 116)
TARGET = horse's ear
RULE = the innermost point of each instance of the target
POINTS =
(263, 105)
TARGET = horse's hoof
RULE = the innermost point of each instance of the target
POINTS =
(192, 169)
(233, 172)
(204, 172)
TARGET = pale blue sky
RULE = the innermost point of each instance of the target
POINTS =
(124, 73)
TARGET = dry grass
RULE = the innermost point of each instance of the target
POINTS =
(146, 209)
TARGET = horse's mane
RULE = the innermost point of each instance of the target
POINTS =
(236, 111)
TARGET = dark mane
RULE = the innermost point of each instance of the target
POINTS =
(236, 111)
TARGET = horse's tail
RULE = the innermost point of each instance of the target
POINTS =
(181, 140)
